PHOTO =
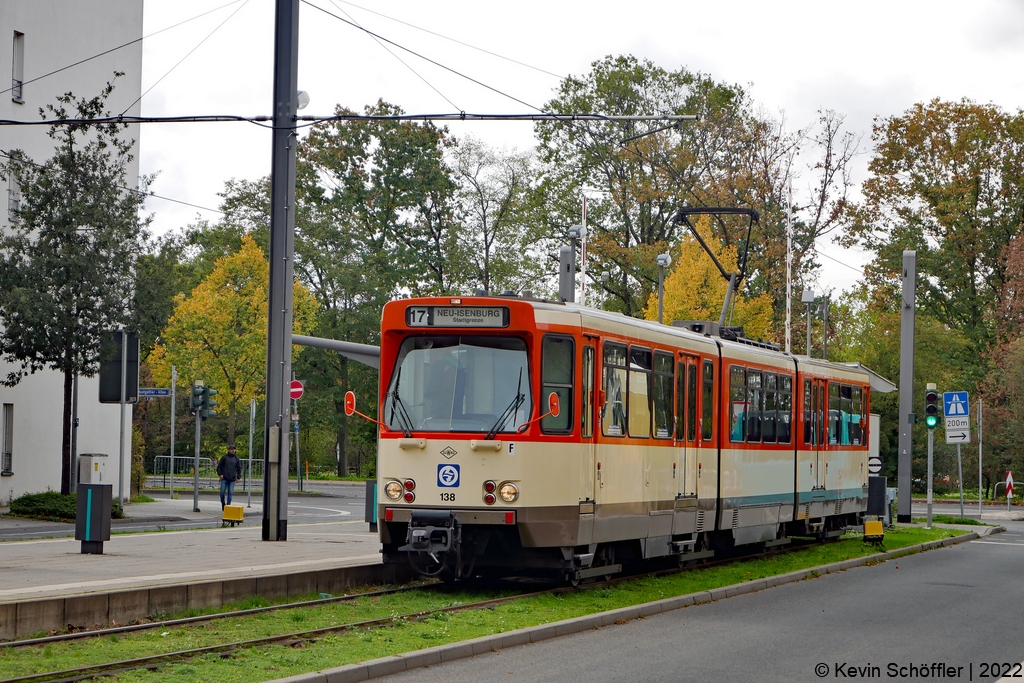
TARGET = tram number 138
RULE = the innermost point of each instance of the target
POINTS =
(447, 497)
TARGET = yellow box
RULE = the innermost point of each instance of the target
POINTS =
(234, 513)
(873, 531)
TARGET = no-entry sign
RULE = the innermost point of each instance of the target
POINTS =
(296, 390)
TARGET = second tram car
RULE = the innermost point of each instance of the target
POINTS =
(659, 441)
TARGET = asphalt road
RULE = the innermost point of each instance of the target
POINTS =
(954, 608)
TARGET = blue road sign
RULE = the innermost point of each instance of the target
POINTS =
(154, 392)
(955, 404)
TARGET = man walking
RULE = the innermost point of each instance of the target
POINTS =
(229, 468)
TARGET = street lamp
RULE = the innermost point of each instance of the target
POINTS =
(663, 261)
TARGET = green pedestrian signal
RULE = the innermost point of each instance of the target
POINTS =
(931, 408)
(208, 403)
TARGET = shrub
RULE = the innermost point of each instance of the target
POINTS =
(53, 506)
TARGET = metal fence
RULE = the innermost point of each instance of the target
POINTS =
(183, 473)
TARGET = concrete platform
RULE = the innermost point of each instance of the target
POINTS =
(48, 568)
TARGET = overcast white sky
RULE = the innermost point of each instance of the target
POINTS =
(864, 59)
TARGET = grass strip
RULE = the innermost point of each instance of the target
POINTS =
(265, 663)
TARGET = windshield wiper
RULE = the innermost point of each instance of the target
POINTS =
(398, 409)
(511, 410)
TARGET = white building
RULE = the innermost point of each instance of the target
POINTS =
(50, 47)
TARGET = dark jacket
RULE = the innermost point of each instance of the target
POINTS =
(230, 467)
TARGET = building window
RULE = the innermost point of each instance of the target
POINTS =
(7, 466)
(18, 67)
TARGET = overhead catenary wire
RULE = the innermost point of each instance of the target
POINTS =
(454, 40)
(122, 46)
(189, 54)
(424, 57)
(404, 63)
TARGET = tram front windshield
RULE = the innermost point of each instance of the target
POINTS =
(458, 383)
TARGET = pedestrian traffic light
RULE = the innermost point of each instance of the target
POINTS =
(931, 408)
(196, 402)
(208, 403)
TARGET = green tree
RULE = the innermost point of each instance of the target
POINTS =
(218, 334)
(68, 264)
(733, 155)
(946, 180)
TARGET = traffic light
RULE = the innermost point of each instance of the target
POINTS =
(208, 403)
(196, 401)
(931, 408)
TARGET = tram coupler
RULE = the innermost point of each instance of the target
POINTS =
(433, 532)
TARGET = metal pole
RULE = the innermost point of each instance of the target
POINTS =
(931, 442)
(824, 331)
(74, 434)
(583, 256)
(195, 465)
(960, 468)
(979, 459)
(789, 268)
(809, 330)
(282, 247)
(174, 388)
(905, 457)
(298, 459)
(124, 390)
(252, 428)
(661, 294)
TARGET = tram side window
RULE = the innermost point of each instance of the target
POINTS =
(613, 412)
(663, 395)
(738, 403)
(808, 427)
(833, 413)
(845, 413)
(682, 405)
(557, 374)
(785, 421)
(857, 414)
(588, 391)
(707, 414)
(755, 397)
(639, 392)
(769, 417)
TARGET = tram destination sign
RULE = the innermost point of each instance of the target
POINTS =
(456, 316)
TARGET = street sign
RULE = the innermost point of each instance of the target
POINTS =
(955, 403)
(296, 389)
(874, 465)
(958, 421)
(1009, 484)
(154, 392)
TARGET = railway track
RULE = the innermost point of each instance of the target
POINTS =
(310, 635)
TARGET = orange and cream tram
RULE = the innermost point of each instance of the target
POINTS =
(529, 436)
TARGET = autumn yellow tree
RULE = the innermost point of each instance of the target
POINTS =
(695, 290)
(218, 333)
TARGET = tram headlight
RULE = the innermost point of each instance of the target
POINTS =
(508, 492)
(393, 490)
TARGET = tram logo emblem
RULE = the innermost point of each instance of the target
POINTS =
(449, 452)
(448, 476)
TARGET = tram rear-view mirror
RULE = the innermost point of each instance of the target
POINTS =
(350, 403)
(553, 404)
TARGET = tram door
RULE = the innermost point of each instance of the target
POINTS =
(819, 414)
(687, 411)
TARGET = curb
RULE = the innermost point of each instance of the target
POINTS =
(386, 666)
